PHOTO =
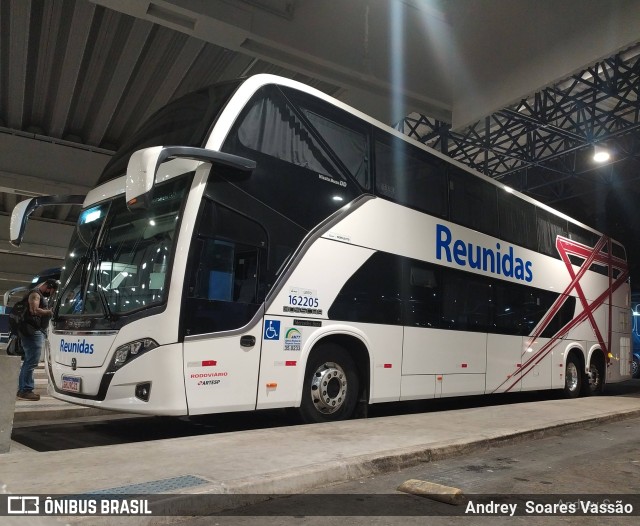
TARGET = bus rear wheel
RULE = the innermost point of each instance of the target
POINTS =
(595, 375)
(635, 367)
(331, 385)
(572, 378)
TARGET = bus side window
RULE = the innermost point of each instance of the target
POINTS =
(473, 202)
(466, 305)
(299, 162)
(227, 269)
(372, 294)
(424, 295)
(517, 220)
(549, 228)
(410, 176)
(227, 272)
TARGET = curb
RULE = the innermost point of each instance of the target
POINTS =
(253, 490)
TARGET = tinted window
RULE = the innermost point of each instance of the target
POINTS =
(298, 173)
(424, 295)
(618, 251)
(473, 202)
(273, 127)
(550, 227)
(343, 135)
(582, 235)
(410, 176)
(517, 220)
(227, 268)
(518, 309)
(590, 240)
(372, 294)
(561, 318)
(437, 297)
(350, 147)
(466, 302)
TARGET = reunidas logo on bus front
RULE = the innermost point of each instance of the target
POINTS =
(81, 346)
(482, 258)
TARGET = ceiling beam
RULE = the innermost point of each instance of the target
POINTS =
(20, 14)
(81, 21)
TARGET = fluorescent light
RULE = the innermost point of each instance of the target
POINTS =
(601, 155)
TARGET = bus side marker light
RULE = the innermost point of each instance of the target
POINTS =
(290, 363)
(439, 378)
(388, 366)
(464, 365)
(272, 385)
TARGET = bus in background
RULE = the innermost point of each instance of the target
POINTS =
(259, 244)
(16, 294)
(635, 334)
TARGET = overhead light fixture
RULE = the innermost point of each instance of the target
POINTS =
(600, 154)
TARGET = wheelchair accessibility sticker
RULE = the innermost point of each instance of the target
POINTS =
(271, 330)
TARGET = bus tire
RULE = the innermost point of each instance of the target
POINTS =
(573, 377)
(595, 376)
(635, 367)
(331, 386)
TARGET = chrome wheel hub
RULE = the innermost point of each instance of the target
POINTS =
(572, 376)
(328, 387)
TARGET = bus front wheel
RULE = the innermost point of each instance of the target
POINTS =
(331, 384)
(572, 378)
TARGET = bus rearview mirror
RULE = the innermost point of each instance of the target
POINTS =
(22, 211)
(143, 167)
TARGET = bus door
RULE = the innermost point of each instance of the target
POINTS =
(222, 312)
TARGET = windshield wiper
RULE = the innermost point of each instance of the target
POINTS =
(91, 256)
(95, 262)
(65, 287)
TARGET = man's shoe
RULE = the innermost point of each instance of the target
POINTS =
(28, 395)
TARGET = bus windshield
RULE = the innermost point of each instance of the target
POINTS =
(119, 260)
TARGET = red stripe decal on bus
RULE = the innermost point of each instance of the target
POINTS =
(596, 254)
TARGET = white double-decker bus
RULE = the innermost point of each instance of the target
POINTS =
(258, 244)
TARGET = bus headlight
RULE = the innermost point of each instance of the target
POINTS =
(127, 352)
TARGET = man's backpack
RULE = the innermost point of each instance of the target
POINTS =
(20, 320)
(14, 347)
(16, 316)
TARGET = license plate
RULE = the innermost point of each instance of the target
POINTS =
(71, 383)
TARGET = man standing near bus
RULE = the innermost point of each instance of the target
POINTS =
(33, 334)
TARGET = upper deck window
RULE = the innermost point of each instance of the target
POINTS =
(410, 176)
(473, 201)
(310, 161)
(293, 133)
